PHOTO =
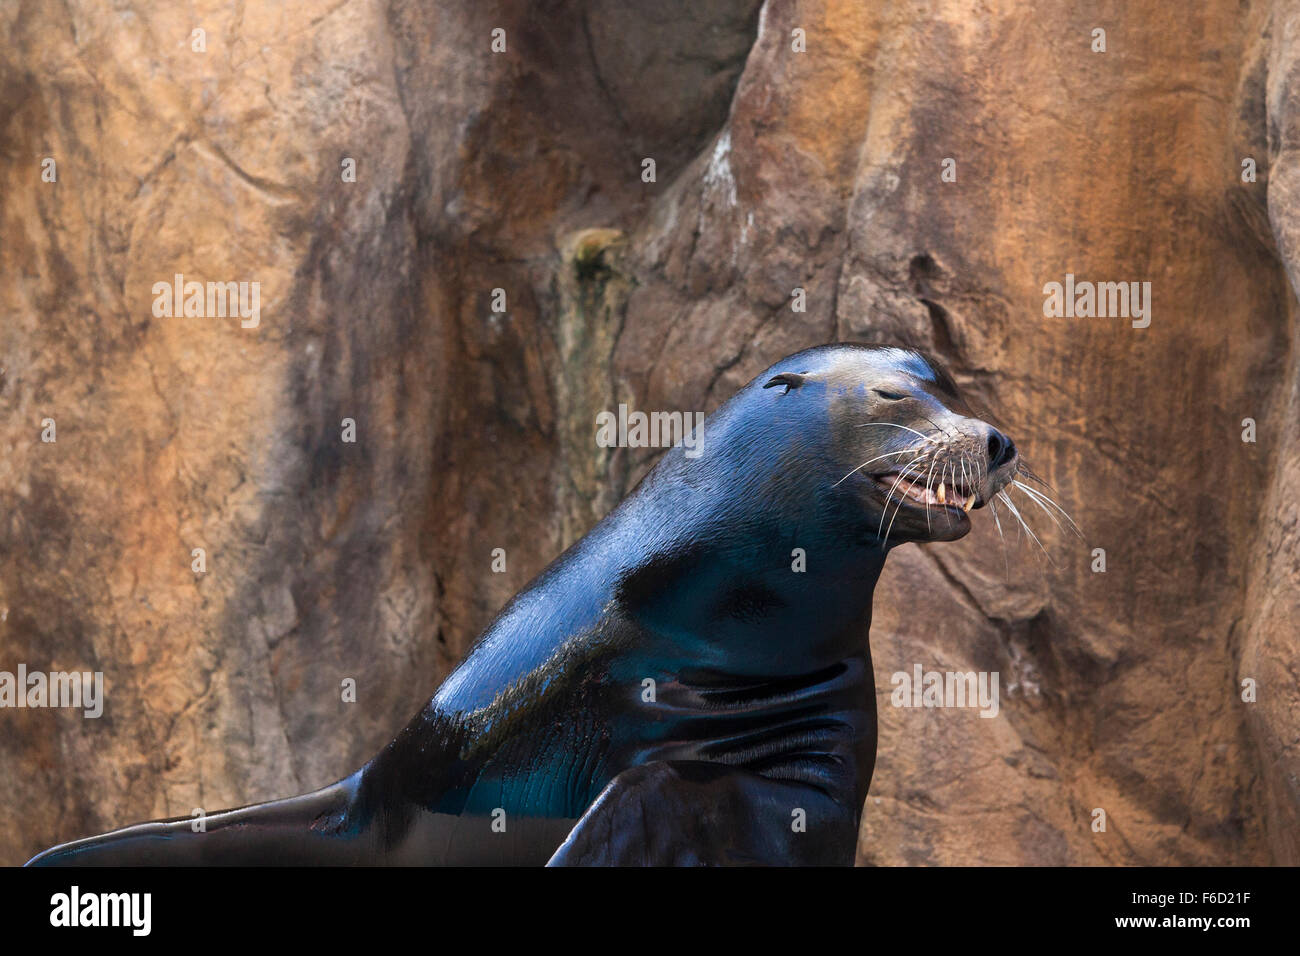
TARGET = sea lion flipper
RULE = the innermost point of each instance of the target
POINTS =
(684, 813)
(293, 832)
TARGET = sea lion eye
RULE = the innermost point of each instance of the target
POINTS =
(889, 396)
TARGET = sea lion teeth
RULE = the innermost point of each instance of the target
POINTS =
(970, 503)
(942, 498)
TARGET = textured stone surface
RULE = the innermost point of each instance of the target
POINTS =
(521, 171)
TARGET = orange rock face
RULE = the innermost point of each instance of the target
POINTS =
(921, 176)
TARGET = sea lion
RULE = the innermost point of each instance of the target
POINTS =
(690, 682)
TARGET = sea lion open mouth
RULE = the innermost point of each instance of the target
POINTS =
(953, 494)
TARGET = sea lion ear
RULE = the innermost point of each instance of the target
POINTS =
(790, 380)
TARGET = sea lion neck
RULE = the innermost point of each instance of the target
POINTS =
(744, 559)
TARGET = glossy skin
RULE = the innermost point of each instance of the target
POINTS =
(758, 740)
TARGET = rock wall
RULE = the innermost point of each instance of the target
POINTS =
(796, 145)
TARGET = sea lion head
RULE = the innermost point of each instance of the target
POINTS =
(909, 448)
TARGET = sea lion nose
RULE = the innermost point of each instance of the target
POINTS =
(1001, 448)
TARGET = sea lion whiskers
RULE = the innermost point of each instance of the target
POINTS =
(1030, 531)
(1023, 470)
(888, 454)
(914, 463)
(942, 495)
(899, 506)
(993, 506)
(929, 479)
(904, 427)
(1019, 527)
(1043, 501)
(1034, 499)
(966, 483)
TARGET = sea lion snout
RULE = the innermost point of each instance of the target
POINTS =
(946, 465)
(919, 455)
